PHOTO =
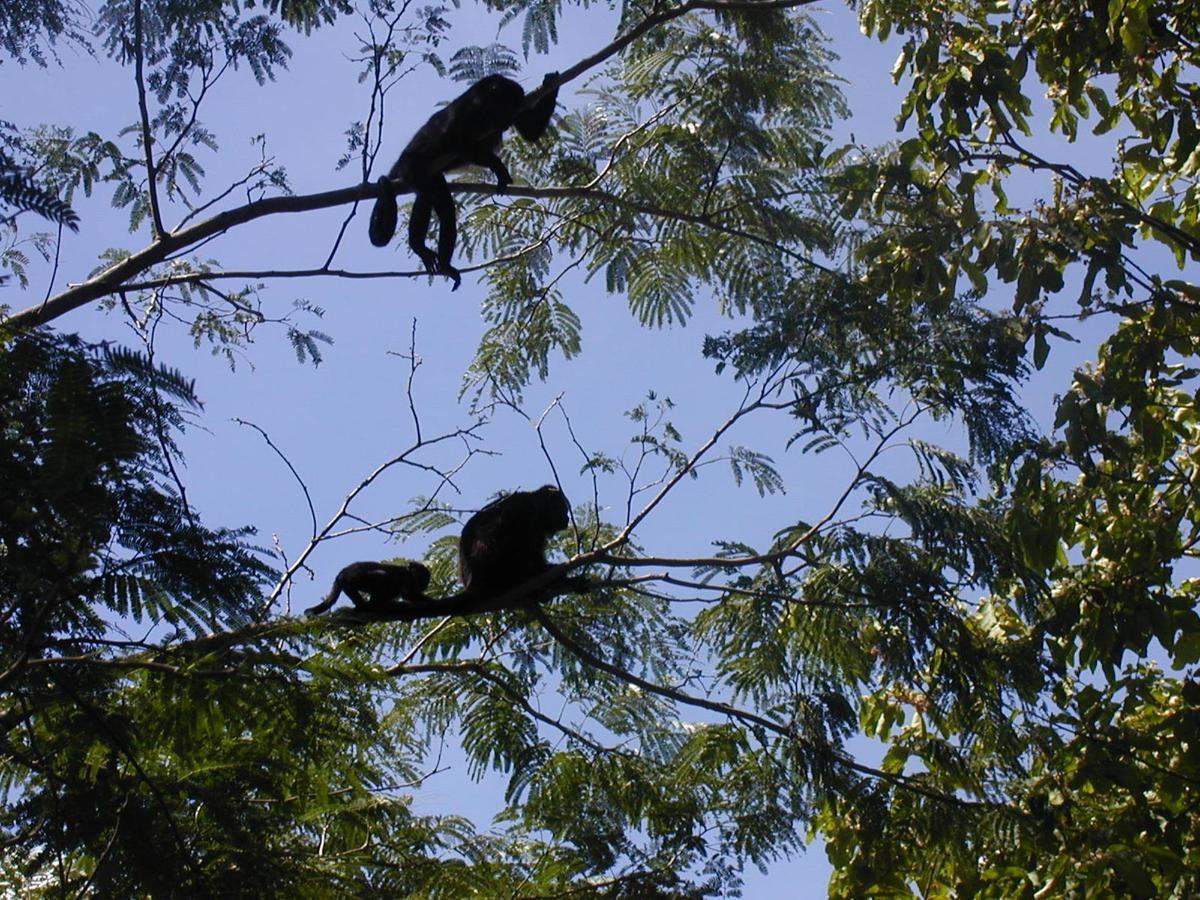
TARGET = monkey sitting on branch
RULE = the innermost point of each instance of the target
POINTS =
(465, 132)
(504, 544)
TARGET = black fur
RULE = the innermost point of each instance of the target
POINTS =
(504, 544)
(385, 584)
(465, 132)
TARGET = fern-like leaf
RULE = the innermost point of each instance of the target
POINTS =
(18, 190)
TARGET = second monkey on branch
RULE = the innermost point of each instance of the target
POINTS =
(466, 132)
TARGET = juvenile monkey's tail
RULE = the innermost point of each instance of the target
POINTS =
(383, 216)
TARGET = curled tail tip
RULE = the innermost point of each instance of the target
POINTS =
(383, 221)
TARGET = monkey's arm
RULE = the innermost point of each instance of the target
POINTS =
(483, 156)
(533, 120)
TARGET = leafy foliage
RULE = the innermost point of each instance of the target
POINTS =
(24, 24)
(1100, 513)
(21, 190)
(18, 190)
(680, 114)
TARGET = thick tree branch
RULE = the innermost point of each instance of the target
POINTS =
(536, 590)
(113, 279)
(117, 278)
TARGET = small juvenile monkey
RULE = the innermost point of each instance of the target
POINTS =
(504, 544)
(465, 132)
(385, 585)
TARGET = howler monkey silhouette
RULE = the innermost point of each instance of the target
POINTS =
(466, 132)
(504, 544)
(383, 583)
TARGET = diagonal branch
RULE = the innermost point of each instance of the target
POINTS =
(494, 678)
(114, 278)
(746, 716)
(651, 22)
(343, 511)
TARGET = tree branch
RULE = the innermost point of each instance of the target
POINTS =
(745, 716)
(114, 278)
(117, 277)
(147, 135)
(653, 21)
(343, 510)
(542, 587)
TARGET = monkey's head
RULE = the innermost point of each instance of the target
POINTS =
(553, 510)
(418, 577)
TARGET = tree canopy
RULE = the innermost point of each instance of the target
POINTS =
(925, 590)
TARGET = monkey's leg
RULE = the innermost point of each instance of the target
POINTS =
(418, 229)
(443, 205)
(357, 598)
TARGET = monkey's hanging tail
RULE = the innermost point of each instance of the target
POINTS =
(383, 216)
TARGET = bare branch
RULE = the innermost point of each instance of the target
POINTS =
(344, 509)
(312, 513)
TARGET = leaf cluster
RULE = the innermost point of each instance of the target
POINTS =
(695, 175)
(1089, 796)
